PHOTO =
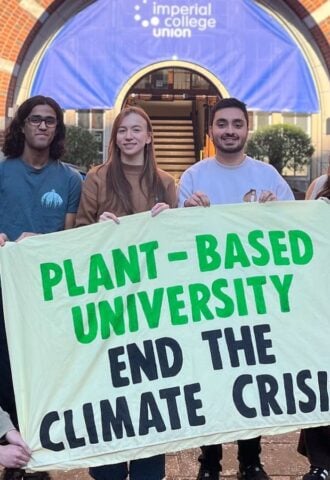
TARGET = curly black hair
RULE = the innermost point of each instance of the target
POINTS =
(14, 137)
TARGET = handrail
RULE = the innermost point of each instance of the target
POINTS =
(194, 120)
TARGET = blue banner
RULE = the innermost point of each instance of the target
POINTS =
(103, 46)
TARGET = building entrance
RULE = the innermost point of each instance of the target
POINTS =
(178, 101)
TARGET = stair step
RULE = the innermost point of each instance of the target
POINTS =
(174, 144)
(177, 167)
(174, 141)
(170, 121)
(167, 131)
(174, 155)
(173, 134)
(168, 146)
(173, 126)
(173, 161)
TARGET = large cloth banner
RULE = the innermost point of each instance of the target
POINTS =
(198, 326)
(98, 52)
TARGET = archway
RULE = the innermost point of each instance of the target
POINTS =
(178, 99)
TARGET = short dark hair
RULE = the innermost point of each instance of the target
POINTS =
(14, 137)
(229, 103)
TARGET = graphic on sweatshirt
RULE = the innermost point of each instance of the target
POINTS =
(250, 196)
(51, 199)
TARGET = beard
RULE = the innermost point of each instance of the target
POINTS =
(235, 148)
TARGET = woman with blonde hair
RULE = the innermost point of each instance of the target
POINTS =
(129, 182)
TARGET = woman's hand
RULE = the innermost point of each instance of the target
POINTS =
(106, 216)
(159, 207)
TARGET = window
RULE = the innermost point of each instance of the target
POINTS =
(259, 120)
(263, 119)
(300, 120)
(93, 121)
(251, 121)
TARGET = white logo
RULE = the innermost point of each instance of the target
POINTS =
(179, 21)
(51, 200)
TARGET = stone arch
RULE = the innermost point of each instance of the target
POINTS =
(170, 63)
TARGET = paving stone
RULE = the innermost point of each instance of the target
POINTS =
(279, 456)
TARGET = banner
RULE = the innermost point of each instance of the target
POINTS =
(198, 326)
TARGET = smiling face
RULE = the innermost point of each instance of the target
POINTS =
(39, 137)
(229, 131)
(132, 136)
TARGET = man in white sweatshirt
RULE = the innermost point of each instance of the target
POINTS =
(231, 177)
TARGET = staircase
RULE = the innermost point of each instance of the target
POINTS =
(174, 144)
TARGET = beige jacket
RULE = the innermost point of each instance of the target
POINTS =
(94, 198)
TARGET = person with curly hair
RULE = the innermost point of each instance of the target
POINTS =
(39, 194)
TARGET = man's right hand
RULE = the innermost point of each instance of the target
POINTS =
(197, 199)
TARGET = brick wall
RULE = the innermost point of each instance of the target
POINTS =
(18, 26)
(320, 32)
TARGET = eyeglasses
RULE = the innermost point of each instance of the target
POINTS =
(36, 121)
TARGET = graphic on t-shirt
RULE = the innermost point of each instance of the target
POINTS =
(51, 199)
(250, 196)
